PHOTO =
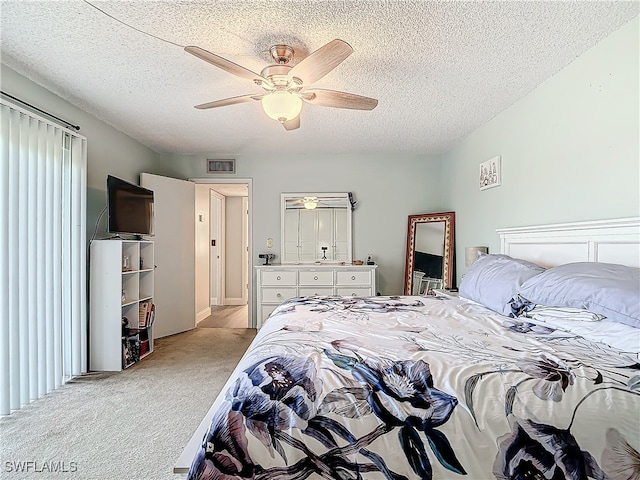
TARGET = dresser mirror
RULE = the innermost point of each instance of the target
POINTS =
(430, 247)
(316, 227)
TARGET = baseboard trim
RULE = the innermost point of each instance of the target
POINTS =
(201, 315)
(234, 301)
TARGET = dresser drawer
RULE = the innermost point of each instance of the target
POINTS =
(353, 278)
(354, 292)
(277, 295)
(309, 291)
(286, 277)
(265, 311)
(315, 277)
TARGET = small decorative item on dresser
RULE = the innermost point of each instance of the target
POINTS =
(357, 262)
(267, 257)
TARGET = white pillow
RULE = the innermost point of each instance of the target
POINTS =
(493, 280)
(549, 314)
(605, 288)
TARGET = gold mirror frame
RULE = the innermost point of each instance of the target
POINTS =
(448, 218)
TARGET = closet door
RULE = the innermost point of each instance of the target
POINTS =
(307, 235)
(290, 239)
(174, 211)
(325, 221)
(341, 237)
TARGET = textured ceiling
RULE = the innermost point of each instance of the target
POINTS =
(438, 69)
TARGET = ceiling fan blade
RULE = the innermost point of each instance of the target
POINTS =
(292, 124)
(230, 101)
(321, 62)
(331, 98)
(225, 64)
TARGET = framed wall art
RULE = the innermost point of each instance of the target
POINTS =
(490, 173)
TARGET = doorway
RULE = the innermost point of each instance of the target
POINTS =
(228, 246)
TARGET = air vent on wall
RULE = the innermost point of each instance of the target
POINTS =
(221, 166)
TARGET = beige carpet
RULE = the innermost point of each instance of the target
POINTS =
(129, 425)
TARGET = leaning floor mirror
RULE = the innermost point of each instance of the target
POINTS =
(430, 253)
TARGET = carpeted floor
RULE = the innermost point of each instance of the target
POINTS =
(129, 425)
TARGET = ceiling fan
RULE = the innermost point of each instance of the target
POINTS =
(286, 87)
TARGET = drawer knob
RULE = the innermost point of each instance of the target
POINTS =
(278, 277)
(353, 277)
(278, 295)
(353, 294)
(315, 278)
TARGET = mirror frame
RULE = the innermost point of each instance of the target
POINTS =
(448, 255)
(350, 207)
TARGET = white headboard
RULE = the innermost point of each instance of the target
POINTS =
(609, 241)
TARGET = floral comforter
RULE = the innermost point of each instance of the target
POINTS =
(422, 387)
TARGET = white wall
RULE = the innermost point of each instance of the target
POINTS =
(570, 151)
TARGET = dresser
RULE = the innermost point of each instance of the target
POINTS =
(277, 283)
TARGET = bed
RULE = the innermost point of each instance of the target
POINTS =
(475, 385)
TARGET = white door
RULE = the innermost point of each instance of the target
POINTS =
(217, 235)
(174, 211)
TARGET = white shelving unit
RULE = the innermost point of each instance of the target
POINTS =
(121, 282)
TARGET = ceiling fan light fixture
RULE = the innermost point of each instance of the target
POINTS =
(286, 86)
(282, 105)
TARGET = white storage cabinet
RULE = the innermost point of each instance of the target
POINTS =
(117, 291)
(277, 283)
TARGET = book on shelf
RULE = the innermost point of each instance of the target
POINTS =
(152, 315)
(146, 314)
(130, 350)
(143, 308)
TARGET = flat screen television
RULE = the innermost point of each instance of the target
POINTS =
(129, 208)
(429, 264)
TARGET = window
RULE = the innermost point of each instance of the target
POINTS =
(43, 338)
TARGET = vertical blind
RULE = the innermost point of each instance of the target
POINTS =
(43, 331)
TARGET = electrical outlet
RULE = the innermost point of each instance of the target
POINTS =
(269, 242)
